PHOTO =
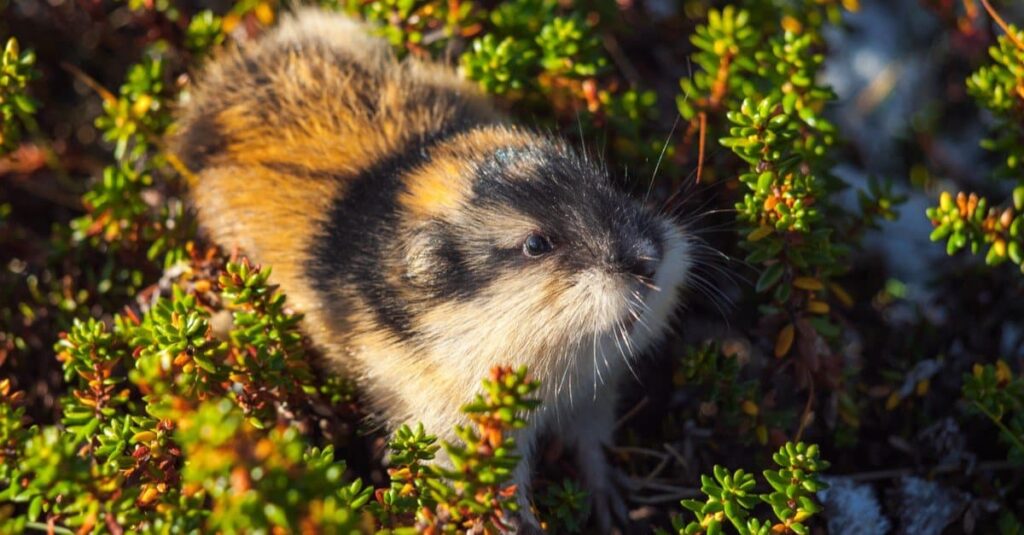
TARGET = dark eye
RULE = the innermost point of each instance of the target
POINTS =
(536, 245)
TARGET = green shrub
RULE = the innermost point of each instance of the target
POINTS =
(731, 496)
(173, 424)
(969, 220)
(16, 106)
(993, 391)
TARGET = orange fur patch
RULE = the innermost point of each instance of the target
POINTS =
(271, 216)
(444, 184)
(437, 189)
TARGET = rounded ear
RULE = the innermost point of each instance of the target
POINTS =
(422, 264)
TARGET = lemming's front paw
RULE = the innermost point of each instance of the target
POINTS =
(524, 522)
(608, 504)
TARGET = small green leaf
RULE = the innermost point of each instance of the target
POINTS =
(769, 277)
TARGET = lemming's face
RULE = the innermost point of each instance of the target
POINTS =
(545, 263)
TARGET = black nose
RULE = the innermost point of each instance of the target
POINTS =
(644, 268)
(645, 257)
(635, 252)
(639, 264)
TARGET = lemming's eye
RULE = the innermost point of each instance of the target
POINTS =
(536, 245)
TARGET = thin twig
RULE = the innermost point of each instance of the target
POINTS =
(1002, 427)
(633, 412)
(90, 82)
(642, 484)
(156, 140)
(700, 143)
(678, 456)
(657, 499)
(48, 192)
(894, 473)
(664, 486)
(805, 414)
(1002, 24)
(49, 529)
(623, 62)
(620, 450)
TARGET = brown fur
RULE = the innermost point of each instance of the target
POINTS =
(394, 205)
(269, 130)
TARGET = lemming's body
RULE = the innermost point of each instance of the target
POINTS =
(425, 238)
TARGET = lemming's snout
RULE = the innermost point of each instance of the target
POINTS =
(644, 267)
(639, 258)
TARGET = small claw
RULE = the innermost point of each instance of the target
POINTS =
(610, 509)
(525, 523)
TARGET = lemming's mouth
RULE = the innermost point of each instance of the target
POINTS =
(638, 300)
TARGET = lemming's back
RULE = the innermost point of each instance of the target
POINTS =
(274, 128)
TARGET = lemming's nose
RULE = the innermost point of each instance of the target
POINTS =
(645, 260)
(642, 263)
(643, 267)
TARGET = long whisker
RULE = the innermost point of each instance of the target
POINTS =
(715, 260)
(575, 364)
(690, 222)
(637, 314)
(700, 246)
(646, 282)
(615, 338)
(678, 191)
(713, 295)
(706, 284)
(725, 274)
(583, 143)
(661, 157)
(687, 186)
(593, 344)
(629, 358)
(699, 212)
(641, 302)
(625, 337)
(566, 364)
(607, 367)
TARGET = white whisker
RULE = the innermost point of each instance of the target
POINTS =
(661, 157)
(594, 357)
(636, 315)
(713, 294)
(615, 338)
(628, 358)
(646, 282)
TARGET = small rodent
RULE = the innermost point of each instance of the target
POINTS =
(426, 238)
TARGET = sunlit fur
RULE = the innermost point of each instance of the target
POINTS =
(392, 203)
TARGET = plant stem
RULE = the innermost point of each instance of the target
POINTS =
(1002, 427)
(48, 528)
(1002, 24)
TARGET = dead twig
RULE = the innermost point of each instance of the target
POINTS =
(632, 412)
(1002, 24)
(894, 473)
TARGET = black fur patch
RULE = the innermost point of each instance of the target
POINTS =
(201, 141)
(590, 222)
(454, 278)
(356, 244)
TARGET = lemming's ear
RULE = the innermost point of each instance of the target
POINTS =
(421, 260)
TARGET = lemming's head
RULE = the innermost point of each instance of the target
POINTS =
(512, 247)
